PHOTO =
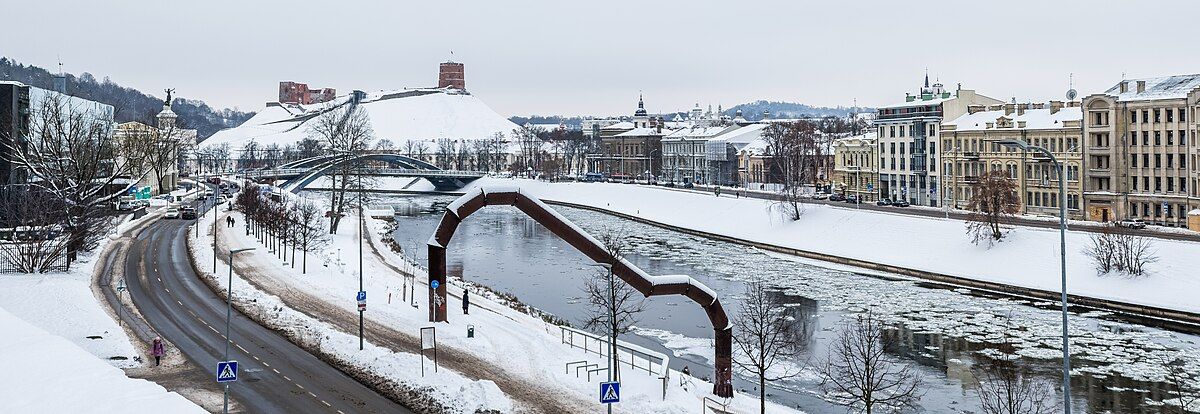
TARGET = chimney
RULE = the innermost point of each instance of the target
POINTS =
(1141, 86)
(1020, 124)
(1021, 109)
(1009, 108)
(1124, 86)
(971, 109)
(1055, 106)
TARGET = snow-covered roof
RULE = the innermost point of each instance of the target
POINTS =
(1167, 87)
(695, 132)
(1032, 118)
(919, 102)
(857, 139)
(400, 116)
(643, 132)
(742, 135)
(619, 125)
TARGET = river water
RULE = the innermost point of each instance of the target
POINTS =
(1117, 365)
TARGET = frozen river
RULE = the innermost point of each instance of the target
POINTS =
(1116, 364)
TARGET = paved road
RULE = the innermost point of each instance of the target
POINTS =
(276, 375)
(955, 215)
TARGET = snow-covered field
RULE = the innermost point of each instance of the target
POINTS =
(524, 348)
(57, 332)
(1028, 257)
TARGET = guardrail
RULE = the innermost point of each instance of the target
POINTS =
(385, 171)
(628, 354)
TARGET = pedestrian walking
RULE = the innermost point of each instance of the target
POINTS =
(157, 350)
(466, 303)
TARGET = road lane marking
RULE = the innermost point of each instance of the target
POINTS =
(168, 290)
(311, 393)
(255, 357)
(323, 402)
(265, 364)
(276, 371)
(288, 379)
(240, 347)
(180, 303)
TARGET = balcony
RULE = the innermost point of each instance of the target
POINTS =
(971, 155)
(970, 179)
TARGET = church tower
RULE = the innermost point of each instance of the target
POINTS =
(640, 118)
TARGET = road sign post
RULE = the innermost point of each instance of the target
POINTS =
(428, 342)
(362, 300)
(610, 392)
(227, 371)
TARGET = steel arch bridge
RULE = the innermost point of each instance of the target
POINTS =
(299, 174)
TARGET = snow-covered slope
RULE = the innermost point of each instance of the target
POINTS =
(400, 116)
(49, 374)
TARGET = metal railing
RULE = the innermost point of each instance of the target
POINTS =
(384, 171)
(628, 354)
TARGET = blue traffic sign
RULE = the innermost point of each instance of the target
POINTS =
(227, 371)
(610, 392)
(433, 284)
(362, 296)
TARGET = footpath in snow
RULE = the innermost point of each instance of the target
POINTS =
(524, 355)
(1028, 257)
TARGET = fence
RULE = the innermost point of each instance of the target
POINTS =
(58, 263)
(628, 354)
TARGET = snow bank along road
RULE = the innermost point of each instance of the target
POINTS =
(276, 375)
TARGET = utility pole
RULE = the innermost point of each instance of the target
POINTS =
(229, 315)
(361, 235)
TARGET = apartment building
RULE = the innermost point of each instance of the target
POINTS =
(970, 149)
(855, 167)
(1141, 152)
(907, 139)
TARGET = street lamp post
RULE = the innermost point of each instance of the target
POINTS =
(229, 314)
(1062, 245)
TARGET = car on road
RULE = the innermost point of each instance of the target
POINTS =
(884, 202)
(899, 203)
(187, 213)
(852, 199)
(837, 197)
(820, 196)
(1132, 223)
(172, 213)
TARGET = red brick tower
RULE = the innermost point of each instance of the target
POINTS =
(452, 75)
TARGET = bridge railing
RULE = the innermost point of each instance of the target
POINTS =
(386, 171)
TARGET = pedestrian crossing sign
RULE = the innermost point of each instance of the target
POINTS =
(610, 392)
(227, 371)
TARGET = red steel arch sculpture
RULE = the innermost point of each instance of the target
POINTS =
(648, 285)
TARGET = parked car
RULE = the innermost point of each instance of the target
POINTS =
(837, 197)
(689, 185)
(820, 196)
(899, 203)
(187, 213)
(1132, 223)
(852, 199)
(172, 213)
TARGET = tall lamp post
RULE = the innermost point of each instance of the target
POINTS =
(229, 314)
(1062, 245)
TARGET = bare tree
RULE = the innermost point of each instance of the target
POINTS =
(310, 234)
(615, 304)
(858, 372)
(220, 157)
(794, 154)
(993, 203)
(71, 154)
(1120, 252)
(346, 132)
(1004, 388)
(1184, 385)
(385, 145)
(767, 335)
(309, 147)
(30, 242)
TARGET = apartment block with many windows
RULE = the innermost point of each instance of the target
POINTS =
(971, 149)
(1140, 149)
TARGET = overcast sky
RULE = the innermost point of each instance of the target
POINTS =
(576, 57)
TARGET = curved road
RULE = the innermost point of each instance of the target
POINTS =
(275, 376)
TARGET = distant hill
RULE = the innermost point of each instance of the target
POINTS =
(130, 104)
(754, 110)
(751, 111)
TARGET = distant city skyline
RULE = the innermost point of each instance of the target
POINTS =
(569, 58)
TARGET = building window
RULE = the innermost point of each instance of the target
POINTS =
(1157, 183)
(1156, 118)
(1182, 136)
(1133, 160)
(1170, 160)
(1145, 116)
(1132, 117)
(892, 131)
(1146, 160)
(1145, 138)
(1170, 115)
(1133, 209)
(1157, 160)
(1133, 181)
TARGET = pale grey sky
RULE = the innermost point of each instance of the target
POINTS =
(575, 57)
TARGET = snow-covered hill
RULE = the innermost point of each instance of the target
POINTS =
(399, 116)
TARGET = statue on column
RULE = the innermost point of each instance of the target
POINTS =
(167, 102)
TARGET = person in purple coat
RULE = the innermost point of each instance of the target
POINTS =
(157, 350)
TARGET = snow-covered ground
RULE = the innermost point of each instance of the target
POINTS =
(49, 374)
(1028, 257)
(523, 347)
(57, 332)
